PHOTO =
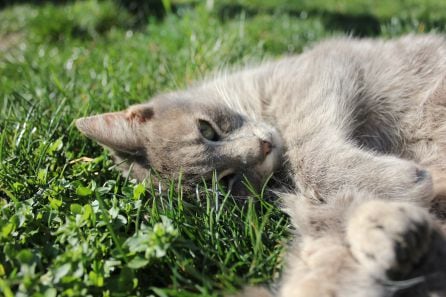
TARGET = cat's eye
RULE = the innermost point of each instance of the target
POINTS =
(207, 131)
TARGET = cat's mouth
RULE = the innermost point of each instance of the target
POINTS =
(240, 185)
(228, 178)
(234, 182)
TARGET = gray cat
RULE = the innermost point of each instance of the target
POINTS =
(359, 127)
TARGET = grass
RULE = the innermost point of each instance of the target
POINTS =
(71, 225)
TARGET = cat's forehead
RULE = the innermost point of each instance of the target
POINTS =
(184, 107)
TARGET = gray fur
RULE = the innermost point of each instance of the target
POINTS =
(358, 122)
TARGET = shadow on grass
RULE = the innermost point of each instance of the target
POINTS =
(6, 3)
(140, 9)
(355, 24)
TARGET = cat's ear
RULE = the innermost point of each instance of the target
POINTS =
(118, 130)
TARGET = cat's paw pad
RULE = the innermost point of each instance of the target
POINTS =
(389, 238)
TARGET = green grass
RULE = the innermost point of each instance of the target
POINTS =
(74, 227)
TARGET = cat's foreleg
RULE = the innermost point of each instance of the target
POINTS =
(326, 163)
(329, 102)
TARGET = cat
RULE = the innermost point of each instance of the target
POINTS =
(359, 127)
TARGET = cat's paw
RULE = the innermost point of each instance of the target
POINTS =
(397, 179)
(389, 238)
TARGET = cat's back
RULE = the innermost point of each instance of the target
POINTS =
(405, 67)
(412, 53)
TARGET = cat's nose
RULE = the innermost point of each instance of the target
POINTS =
(266, 147)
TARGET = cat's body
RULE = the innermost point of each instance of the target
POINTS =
(365, 117)
(352, 97)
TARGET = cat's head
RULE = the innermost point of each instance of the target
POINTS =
(173, 134)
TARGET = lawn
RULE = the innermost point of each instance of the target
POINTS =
(70, 224)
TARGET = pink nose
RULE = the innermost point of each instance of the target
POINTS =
(266, 147)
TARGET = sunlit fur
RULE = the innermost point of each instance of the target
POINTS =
(361, 126)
